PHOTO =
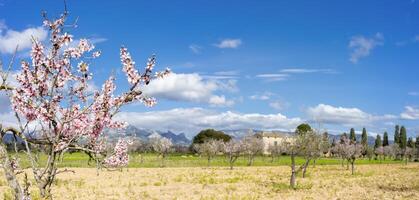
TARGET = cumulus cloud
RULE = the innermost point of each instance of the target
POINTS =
(229, 44)
(191, 88)
(344, 116)
(9, 38)
(410, 113)
(362, 46)
(192, 120)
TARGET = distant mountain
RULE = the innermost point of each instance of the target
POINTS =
(239, 133)
(371, 139)
(146, 134)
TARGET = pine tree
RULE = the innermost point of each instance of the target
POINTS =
(396, 135)
(377, 142)
(403, 138)
(385, 139)
(364, 139)
(352, 135)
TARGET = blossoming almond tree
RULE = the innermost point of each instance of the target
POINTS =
(52, 95)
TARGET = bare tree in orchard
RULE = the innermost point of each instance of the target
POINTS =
(209, 148)
(351, 150)
(301, 145)
(251, 146)
(162, 146)
(275, 151)
(232, 150)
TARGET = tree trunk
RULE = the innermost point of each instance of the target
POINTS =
(293, 172)
(314, 163)
(305, 165)
(209, 161)
(250, 163)
(353, 168)
(9, 174)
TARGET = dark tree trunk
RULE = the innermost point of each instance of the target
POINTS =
(353, 168)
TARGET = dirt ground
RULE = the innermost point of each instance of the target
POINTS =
(393, 181)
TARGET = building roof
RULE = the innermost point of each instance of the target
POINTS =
(275, 134)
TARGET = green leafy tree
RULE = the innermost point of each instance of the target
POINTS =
(364, 139)
(385, 139)
(417, 148)
(208, 134)
(396, 134)
(403, 140)
(377, 142)
(303, 128)
(352, 135)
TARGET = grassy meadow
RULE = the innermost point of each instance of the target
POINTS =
(385, 181)
(150, 160)
(188, 177)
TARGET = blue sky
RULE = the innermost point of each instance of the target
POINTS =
(252, 64)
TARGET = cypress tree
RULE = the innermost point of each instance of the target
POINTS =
(352, 135)
(364, 139)
(377, 142)
(385, 139)
(344, 135)
(403, 138)
(396, 135)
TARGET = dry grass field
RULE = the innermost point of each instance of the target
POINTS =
(386, 181)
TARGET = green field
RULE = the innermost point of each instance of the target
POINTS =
(151, 160)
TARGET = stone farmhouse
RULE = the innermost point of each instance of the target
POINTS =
(273, 138)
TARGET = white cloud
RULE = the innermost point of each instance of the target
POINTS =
(410, 113)
(413, 93)
(278, 105)
(263, 96)
(229, 43)
(190, 87)
(362, 46)
(273, 77)
(303, 70)
(195, 48)
(192, 120)
(9, 38)
(416, 39)
(328, 114)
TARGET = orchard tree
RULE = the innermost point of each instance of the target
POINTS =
(55, 109)
(162, 146)
(276, 150)
(351, 151)
(232, 150)
(379, 152)
(209, 148)
(306, 144)
(385, 139)
(251, 147)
